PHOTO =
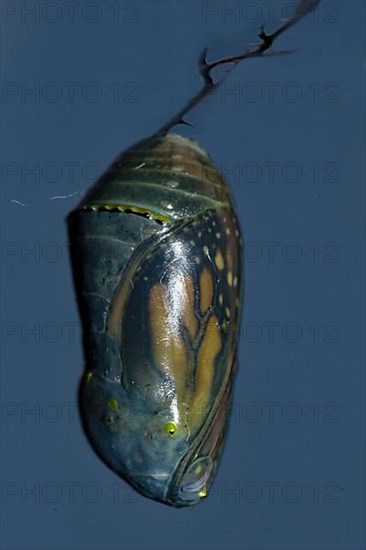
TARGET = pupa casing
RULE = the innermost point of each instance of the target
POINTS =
(156, 254)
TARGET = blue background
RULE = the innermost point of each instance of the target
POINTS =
(310, 373)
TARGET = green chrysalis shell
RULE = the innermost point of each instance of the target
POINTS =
(156, 257)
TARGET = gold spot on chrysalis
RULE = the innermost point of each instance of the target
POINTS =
(88, 376)
(170, 429)
(112, 404)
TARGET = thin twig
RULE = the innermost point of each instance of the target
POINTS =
(259, 50)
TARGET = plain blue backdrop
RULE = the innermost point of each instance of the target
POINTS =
(289, 134)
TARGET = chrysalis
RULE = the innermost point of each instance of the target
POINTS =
(156, 255)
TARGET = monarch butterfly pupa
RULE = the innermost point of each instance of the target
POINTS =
(156, 255)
